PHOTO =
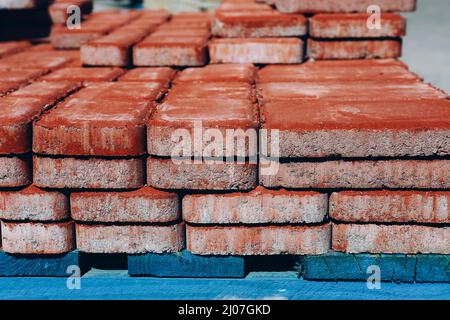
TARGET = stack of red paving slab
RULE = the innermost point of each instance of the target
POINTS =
(247, 32)
(364, 125)
(352, 29)
(181, 42)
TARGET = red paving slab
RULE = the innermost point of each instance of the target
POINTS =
(361, 174)
(320, 129)
(256, 50)
(339, 71)
(171, 51)
(218, 73)
(18, 113)
(406, 239)
(15, 171)
(168, 174)
(11, 47)
(84, 75)
(255, 207)
(333, 6)
(20, 76)
(354, 25)
(259, 240)
(35, 204)
(354, 49)
(179, 116)
(143, 205)
(37, 238)
(107, 119)
(90, 173)
(246, 6)
(370, 91)
(44, 60)
(131, 239)
(162, 75)
(213, 90)
(391, 206)
(249, 24)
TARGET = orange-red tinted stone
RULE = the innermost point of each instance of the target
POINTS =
(257, 50)
(393, 174)
(32, 203)
(406, 239)
(162, 75)
(350, 91)
(243, 7)
(20, 76)
(218, 73)
(131, 239)
(257, 206)
(37, 238)
(225, 118)
(333, 6)
(166, 174)
(339, 71)
(107, 119)
(18, 111)
(258, 240)
(14, 171)
(247, 24)
(44, 60)
(11, 47)
(84, 75)
(143, 205)
(89, 173)
(320, 129)
(213, 90)
(171, 51)
(354, 49)
(355, 26)
(391, 206)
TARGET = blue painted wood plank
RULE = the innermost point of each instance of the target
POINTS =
(21, 265)
(186, 264)
(393, 267)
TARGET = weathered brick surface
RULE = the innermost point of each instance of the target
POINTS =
(106, 119)
(401, 174)
(11, 47)
(165, 174)
(342, 71)
(354, 49)
(258, 50)
(162, 75)
(332, 6)
(14, 171)
(245, 24)
(176, 119)
(142, 205)
(355, 26)
(19, 76)
(319, 129)
(32, 203)
(44, 60)
(391, 206)
(248, 6)
(264, 240)
(130, 239)
(214, 90)
(171, 51)
(21, 108)
(372, 238)
(218, 73)
(381, 91)
(84, 75)
(258, 206)
(37, 238)
(91, 173)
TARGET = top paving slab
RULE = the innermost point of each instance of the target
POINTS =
(333, 6)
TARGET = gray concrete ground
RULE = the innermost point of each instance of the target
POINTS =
(426, 47)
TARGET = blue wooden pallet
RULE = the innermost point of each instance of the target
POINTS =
(393, 267)
(186, 264)
(21, 265)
